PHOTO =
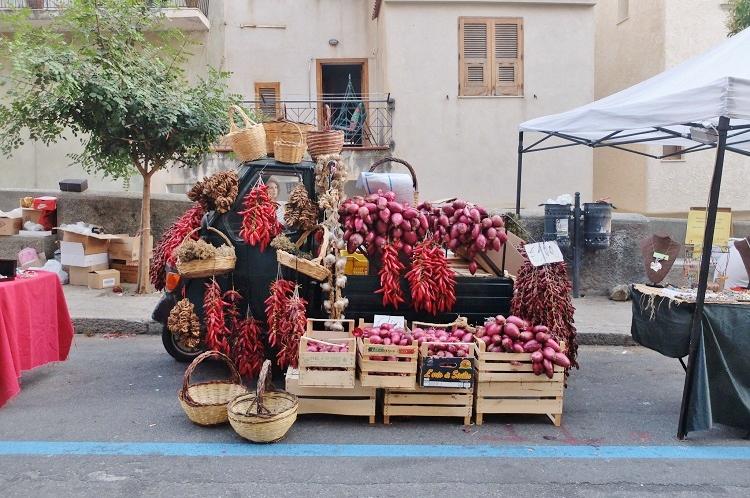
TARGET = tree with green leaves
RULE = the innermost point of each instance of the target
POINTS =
(102, 70)
(739, 16)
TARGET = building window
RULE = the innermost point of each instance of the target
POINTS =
(343, 86)
(672, 153)
(267, 96)
(490, 56)
(623, 10)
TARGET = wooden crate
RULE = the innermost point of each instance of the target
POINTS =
(355, 402)
(378, 373)
(428, 402)
(503, 387)
(327, 369)
(463, 366)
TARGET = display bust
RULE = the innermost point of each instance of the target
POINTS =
(659, 254)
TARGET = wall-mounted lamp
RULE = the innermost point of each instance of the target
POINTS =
(333, 42)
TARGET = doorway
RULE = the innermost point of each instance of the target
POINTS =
(342, 84)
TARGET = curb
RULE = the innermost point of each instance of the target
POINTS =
(93, 326)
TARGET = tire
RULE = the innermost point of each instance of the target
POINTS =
(177, 351)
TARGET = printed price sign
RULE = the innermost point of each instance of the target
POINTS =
(396, 321)
(544, 253)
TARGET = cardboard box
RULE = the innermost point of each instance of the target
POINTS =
(128, 271)
(93, 243)
(128, 248)
(103, 279)
(78, 275)
(73, 254)
(513, 258)
(74, 185)
(45, 203)
(10, 226)
(32, 215)
(356, 264)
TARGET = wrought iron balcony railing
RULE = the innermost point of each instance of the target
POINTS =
(61, 4)
(367, 122)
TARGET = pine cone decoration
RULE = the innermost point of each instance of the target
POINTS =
(184, 323)
(195, 249)
(216, 192)
(300, 211)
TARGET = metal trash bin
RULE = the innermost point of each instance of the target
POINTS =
(597, 224)
(557, 223)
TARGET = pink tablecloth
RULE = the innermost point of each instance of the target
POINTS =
(35, 328)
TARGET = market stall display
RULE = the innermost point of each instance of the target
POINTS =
(386, 356)
(721, 393)
(30, 338)
(327, 358)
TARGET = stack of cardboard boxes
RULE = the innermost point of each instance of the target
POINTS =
(125, 253)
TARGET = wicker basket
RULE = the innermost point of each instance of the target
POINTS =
(325, 141)
(311, 267)
(248, 143)
(266, 415)
(206, 403)
(198, 268)
(290, 152)
(283, 129)
(408, 166)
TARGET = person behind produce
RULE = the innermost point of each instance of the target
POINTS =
(273, 193)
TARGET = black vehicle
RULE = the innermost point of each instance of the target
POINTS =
(254, 270)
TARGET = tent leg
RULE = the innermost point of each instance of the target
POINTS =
(696, 323)
(518, 175)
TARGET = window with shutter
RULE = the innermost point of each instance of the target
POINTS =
(491, 56)
(267, 96)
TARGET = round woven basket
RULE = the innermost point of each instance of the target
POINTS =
(283, 129)
(248, 143)
(325, 141)
(199, 268)
(413, 173)
(264, 416)
(206, 403)
(290, 152)
(313, 268)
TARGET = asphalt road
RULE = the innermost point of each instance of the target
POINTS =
(67, 434)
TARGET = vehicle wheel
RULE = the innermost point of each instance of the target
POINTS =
(177, 350)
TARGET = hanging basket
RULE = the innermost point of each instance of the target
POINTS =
(408, 166)
(313, 268)
(248, 143)
(198, 268)
(290, 152)
(325, 141)
(283, 129)
(206, 403)
(266, 415)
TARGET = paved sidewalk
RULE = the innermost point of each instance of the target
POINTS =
(599, 320)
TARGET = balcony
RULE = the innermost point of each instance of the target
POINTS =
(185, 15)
(368, 130)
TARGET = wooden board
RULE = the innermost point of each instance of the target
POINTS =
(428, 402)
(327, 369)
(505, 387)
(380, 373)
(355, 401)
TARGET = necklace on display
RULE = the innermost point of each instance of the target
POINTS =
(658, 258)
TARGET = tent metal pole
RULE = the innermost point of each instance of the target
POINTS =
(696, 324)
(519, 173)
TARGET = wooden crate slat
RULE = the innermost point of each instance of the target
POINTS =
(538, 406)
(428, 411)
(371, 366)
(519, 389)
(388, 381)
(518, 376)
(428, 399)
(327, 378)
(355, 401)
(429, 402)
(353, 407)
(505, 367)
(327, 359)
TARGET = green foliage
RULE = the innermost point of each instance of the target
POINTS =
(739, 16)
(101, 71)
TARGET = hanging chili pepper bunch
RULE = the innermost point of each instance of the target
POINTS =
(390, 276)
(291, 328)
(431, 280)
(165, 249)
(214, 306)
(259, 222)
(276, 305)
(248, 350)
(542, 296)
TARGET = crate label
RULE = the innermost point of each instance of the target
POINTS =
(396, 321)
(543, 253)
(447, 372)
(391, 350)
(327, 359)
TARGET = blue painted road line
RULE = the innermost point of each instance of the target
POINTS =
(86, 448)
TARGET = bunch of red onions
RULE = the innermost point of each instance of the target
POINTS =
(386, 334)
(514, 335)
(375, 220)
(466, 227)
(443, 343)
(326, 347)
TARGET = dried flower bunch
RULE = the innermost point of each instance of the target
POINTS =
(216, 192)
(184, 323)
(300, 212)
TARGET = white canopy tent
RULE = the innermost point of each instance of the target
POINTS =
(701, 104)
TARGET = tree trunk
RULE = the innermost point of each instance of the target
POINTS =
(144, 284)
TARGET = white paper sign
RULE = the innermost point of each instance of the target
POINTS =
(397, 321)
(544, 253)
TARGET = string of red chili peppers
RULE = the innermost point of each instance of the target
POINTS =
(276, 305)
(165, 249)
(291, 328)
(259, 222)
(390, 276)
(217, 332)
(431, 280)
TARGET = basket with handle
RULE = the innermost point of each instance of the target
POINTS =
(205, 403)
(266, 415)
(325, 141)
(218, 265)
(311, 267)
(413, 174)
(248, 143)
(284, 129)
(290, 152)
